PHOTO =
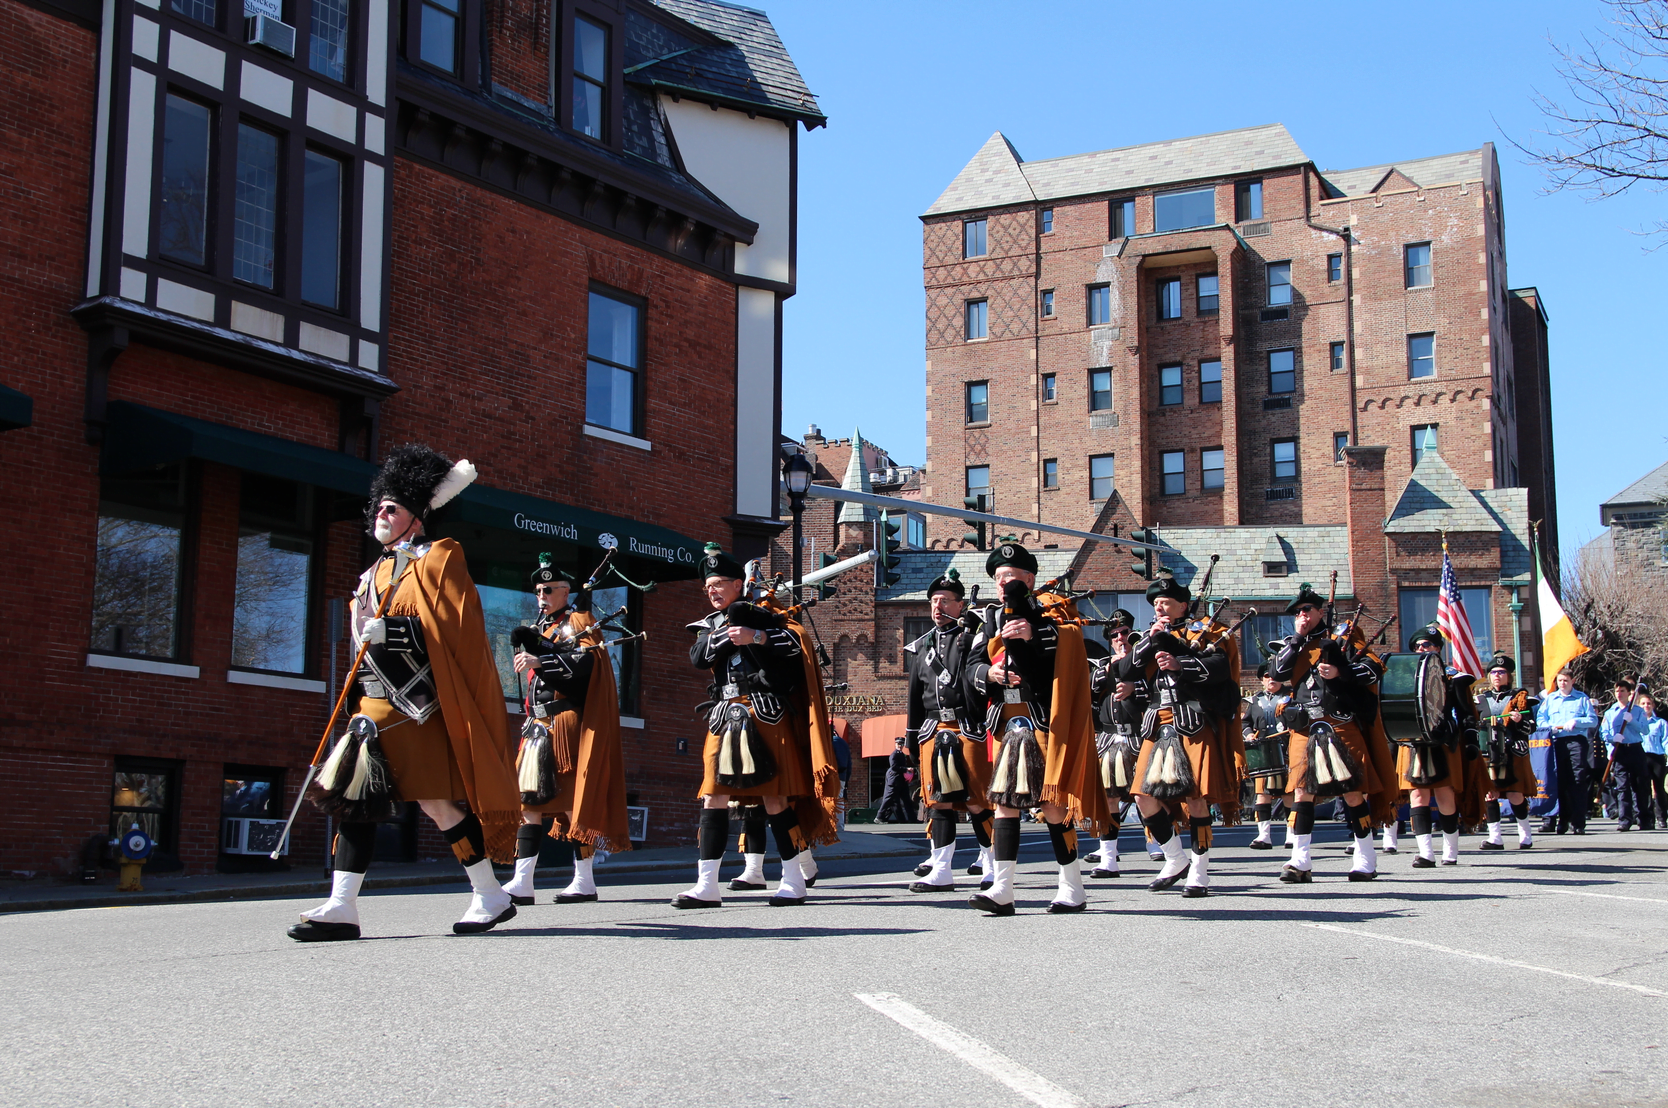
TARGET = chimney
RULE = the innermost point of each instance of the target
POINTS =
(1364, 497)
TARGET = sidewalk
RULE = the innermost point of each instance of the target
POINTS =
(173, 888)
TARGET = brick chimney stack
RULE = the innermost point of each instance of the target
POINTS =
(1364, 496)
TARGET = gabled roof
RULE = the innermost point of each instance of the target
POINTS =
(1310, 553)
(1649, 491)
(856, 480)
(1510, 508)
(1443, 169)
(740, 60)
(1435, 499)
(998, 176)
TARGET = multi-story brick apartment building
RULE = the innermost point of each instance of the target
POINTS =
(1300, 370)
(251, 246)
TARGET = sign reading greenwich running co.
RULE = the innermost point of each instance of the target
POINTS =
(670, 553)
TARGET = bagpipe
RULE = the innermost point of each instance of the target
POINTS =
(528, 640)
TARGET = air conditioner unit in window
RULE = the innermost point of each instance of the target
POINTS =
(240, 835)
(275, 35)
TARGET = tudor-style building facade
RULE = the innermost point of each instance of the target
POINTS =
(258, 242)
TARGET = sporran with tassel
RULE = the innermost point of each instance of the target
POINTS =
(355, 784)
(535, 765)
(1333, 770)
(743, 759)
(949, 769)
(1427, 763)
(1017, 779)
(1169, 774)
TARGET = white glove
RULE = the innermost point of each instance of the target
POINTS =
(375, 632)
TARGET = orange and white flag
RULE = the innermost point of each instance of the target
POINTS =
(1559, 646)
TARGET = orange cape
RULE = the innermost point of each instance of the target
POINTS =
(471, 697)
(598, 813)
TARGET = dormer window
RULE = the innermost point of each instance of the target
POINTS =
(590, 78)
(437, 45)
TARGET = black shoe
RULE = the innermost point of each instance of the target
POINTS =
(1291, 875)
(811, 882)
(1055, 908)
(1092, 858)
(1261, 844)
(469, 927)
(1580, 831)
(785, 901)
(975, 870)
(1159, 884)
(315, 931)
(1389, 850)
(1550, 828)
(737, 885)
(1362, 875)
(986, 883)
(684, 900)
(1422, 862)
(1525, 845)
(1104, 873)
(923, 869)
(1492, 846)
(923, 887)
(1193, 892)
(986, 904)
(1624, 827)
(1159, 857)
(575, 898)
(521, 901)
(1450, 861)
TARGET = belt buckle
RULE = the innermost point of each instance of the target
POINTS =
(1011, 696)
(376, 690)
(540, 712)
(947, 715)
(731, 690)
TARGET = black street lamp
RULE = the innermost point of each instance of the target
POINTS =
(797, 472)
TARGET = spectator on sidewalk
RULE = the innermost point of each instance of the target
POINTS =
(1569, 716)
(1623, 728)
(896, 803)
(1656, 756)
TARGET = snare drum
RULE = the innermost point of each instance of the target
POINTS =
(1268, 756)
(1413, 697)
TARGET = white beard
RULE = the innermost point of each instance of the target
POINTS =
(383, 531)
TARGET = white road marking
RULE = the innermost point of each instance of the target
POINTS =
(1643, 989)
(1032, 1086)
(1611, 896)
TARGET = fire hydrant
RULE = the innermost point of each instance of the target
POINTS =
(135, 847)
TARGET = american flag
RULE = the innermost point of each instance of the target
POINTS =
(1455, 625)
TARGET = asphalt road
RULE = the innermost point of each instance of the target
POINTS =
(1517, 978)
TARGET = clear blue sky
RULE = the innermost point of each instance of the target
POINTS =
(913, 88)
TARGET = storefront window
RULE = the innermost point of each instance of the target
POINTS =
(142, 794)
(506, 609)
(136, 583)
(250, 794)
(624, 658)
(274, 573)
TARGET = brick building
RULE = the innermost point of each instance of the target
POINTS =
(252, 247)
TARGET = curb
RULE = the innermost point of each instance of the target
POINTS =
(322, 885)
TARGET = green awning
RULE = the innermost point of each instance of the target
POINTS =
(139, 438)
(675, 555)
(17, 409)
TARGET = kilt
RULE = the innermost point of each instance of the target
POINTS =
(564, 746)
(974, 752)
(1207, 755)
(790, 750)
(420, 757)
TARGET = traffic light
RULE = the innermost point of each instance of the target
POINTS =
(886, 545)
(827, 588)
(1143, 563)
(977, 535)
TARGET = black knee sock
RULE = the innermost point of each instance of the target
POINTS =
(714, 834)
(943, 827)
(753, 825)
(1520, 810)
(584, 850)
(1359, 820)
(528, 838)
(1160, 826)
(784, 827)
(467, 840)
(1450, 822)
(981, 826)
(1304, 810)
(1263, 812)
(355, 846)
(1491, 811)
(1198, 829)
(1419, 816)
(1005, 839)
(1063, 837)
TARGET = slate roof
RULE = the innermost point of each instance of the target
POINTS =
(998, 176)
(1650, 491)
(750, 65)
(919, 568)
(1444, 169)
(856, 480)
(1311, 552)
(1435, 499)
(1510, 509)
